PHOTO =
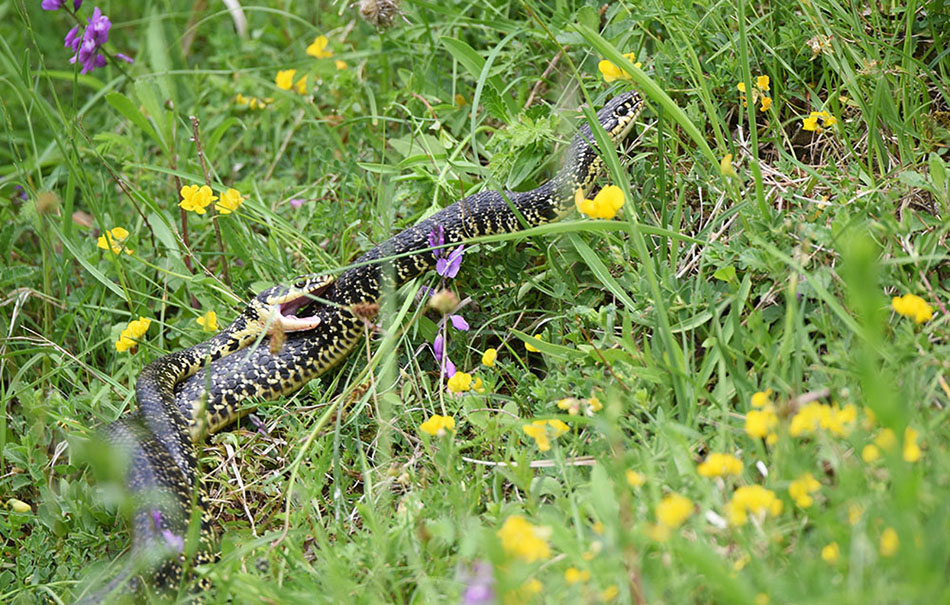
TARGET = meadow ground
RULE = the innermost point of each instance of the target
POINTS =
(734, 391)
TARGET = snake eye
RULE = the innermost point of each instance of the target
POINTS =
(300, 283)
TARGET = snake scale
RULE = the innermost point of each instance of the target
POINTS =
(200, 390)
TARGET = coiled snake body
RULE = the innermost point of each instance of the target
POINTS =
(202, 389)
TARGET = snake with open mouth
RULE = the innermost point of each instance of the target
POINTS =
(202, 389)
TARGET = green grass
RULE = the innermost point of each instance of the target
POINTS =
(705, 290)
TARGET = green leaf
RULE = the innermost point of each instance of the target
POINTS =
(727, 273)
(600, 270)
(938, 174)
(127, 108)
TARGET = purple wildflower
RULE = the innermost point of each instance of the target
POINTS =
(19, 193)
(77, 4)
(52, 5)
(297, 202)
(479, 589)
(437, 238)
(86, 48)
(449, 267)
(459, 323)
(176, 542)
(445, 364)
(157, 517)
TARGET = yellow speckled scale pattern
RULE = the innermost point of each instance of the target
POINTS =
(221, 374)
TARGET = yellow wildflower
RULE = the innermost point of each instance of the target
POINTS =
(489, 356)
(196, 199)
(340, 65)
(285, 79)
(318, 47)
(438, 425)
(604, 205)
(801, 489)
(301, 86)
(533, 586)
(911, 449)
(208, 321)
(477, 386)
(542, 431)
(572, 575)
(766, 104)
(611, 72)
(814, 416)
(885, 439)
(753, 499)
(811, 122)
(530, 347)
(594, 405)
(870, 453)
(253, 102)
(114, 240)
(460, 100)
(460, 382)
(760, 424)
(854, 514)
(230, 201)
(741, 86)
(571, 405)
(673, 510)
(913, 306)
(762, 82)
(830, 553)
(521, 539)
(719, 465)
(761, 398)
(635, 479)
(131, 333)
(725, 166)
(610, 593)
(890, 542)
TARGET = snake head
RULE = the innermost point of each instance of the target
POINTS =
(619, 114)
(279, 307)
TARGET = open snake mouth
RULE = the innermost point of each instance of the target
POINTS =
(298, 313)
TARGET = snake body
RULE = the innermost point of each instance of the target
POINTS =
(204, 388)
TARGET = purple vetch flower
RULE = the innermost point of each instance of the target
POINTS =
(436, 239)
(459, 323)
(296, 203)
(19, 193)
(479, 584)
(174, 541)
(449, 267)
(87, 46)
(445, 364)
(52, 5)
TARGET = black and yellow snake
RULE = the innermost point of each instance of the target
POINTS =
(204, 388)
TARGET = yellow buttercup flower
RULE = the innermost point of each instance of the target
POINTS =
(132, 333)
(725, 166)
(830, 553)
(766, 103)
(318, 48)
(611, 72)
(196, 199)
(530, 347)
(814, 416)
(572, 575)
(460, 382)
(811, 122)
(761, 398)
(890, 542)
(438, 425)
(911, 451)
(114, 240)
(604, 205)
(752, 499)
(489, 356)
(761, 424)
(673, 510)
(285, 79)
(301, 86)
(720, 465)
(762, 82)
(913, 306)
(885, 439)
(801, 489)
(870, 453)
(521, 539)
(635, 479)
(542, 431)
(208, 321)
(230, 201)
(340, 65)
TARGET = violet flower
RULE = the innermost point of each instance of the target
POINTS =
(445, 364)
(459, 323)
(297, 202)
(449, 267)
(479, 584)
(86, 47)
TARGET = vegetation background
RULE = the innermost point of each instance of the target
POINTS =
(754, 263)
